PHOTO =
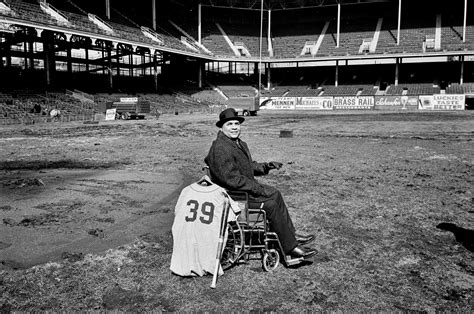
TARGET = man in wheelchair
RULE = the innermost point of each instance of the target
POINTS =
(231, 166)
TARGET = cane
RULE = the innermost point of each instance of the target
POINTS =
(222, 230)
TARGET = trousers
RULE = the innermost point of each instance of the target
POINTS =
(278, 218)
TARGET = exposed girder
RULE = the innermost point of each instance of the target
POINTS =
(271, 4)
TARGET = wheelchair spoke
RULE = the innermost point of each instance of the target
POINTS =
(234, 245)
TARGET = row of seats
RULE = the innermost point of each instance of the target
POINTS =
(164, 103)
(367, 90)
(288, 42)
(466, 88)
(413, 89)
(351, 37)
(22, 105)
(238, 90)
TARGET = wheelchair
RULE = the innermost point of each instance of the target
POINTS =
(250, 235)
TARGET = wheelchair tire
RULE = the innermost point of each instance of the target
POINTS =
(271, 260)
(234, 245)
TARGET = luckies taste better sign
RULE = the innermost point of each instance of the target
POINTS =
(442, 102)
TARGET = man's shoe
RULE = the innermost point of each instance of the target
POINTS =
(298, 252)
(305, 239)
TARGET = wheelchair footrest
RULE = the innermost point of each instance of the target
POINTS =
(293, 261)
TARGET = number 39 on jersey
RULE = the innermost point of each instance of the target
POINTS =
(204, 211)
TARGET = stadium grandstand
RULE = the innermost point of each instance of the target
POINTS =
(76, 55)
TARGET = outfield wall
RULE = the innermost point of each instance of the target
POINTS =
(392, 103)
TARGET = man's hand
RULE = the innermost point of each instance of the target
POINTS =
(274, 165)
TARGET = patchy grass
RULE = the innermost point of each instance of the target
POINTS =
(373, 201)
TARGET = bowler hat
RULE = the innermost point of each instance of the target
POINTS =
(227, 115)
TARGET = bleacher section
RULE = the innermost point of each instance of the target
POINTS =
(123, 28)
(451, 33)
(455, 88)
(238, 90)
(303, 92)
(353, 32)
(413, 89)
(355, 28)
(175, 103)
(213, 40)
(283, 90)
(366, 90)
(203, 95)
(19, 106)
(288, 42)
(340, 90)
(307, 91)
(298, 36)
(348, 90)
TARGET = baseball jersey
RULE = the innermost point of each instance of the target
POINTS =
(196, 229)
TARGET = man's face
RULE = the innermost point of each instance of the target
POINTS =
(231, 129)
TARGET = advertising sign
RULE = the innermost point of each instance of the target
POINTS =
(396, 102)
(314, 103)
(362, 102)
(110, 114)
(278, 103)
(442, 102)
(128, 99)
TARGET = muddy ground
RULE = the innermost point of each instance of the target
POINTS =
(86, 213)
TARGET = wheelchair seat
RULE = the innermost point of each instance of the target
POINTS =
(249, 213)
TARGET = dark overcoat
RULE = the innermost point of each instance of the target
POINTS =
(232, 167)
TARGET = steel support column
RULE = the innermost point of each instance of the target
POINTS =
(338, 24)
(397, 70)
(464, 23)
(399, 20)
(199, 23)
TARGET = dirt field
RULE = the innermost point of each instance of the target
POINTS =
(86, 213)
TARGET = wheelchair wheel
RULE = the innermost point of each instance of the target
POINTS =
(234, 245)
(271, 260)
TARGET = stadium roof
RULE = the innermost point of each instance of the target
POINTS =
(271, 4)
(279, 5)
